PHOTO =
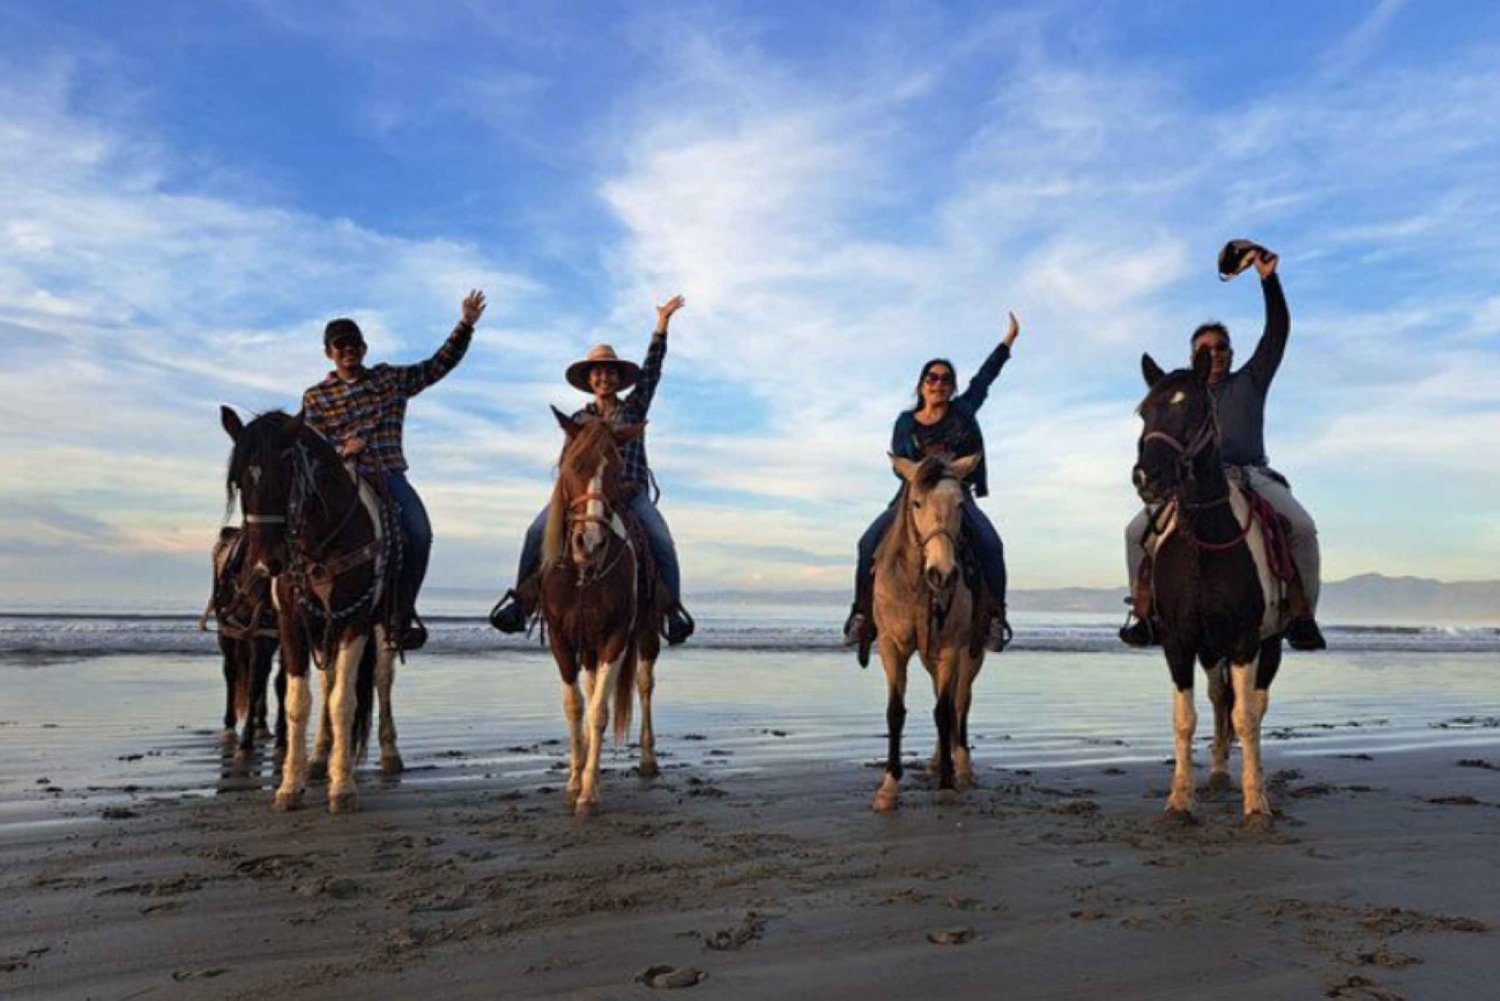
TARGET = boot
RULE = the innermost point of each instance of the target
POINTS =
(516, 607)
(859, 632)
(1138, 629)
(678, 625)
(999, 634)
(1303, 634)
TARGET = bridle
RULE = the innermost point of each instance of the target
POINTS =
(1206, 434)
(589, 571)
(937, 612)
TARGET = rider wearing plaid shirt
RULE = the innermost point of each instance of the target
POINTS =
(362, 412)
(604, 374)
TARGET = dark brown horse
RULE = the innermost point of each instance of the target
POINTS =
(320, 535)
(245, 624)
(601, 606)
(1216, 597)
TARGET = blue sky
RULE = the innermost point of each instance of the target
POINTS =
(187, 193)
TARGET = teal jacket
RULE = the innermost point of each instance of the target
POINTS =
(966, 405)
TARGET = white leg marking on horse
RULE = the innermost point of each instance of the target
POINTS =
(1184, 725)
(573, 711)
(598, 722)
(1248, 711)
(646, 684)
(385, 680)
(341, 712)
(294, 768)
(323, 745)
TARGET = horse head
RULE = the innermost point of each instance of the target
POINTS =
(1180, 433)
(933, 508)
(262, 469)
(590, 484)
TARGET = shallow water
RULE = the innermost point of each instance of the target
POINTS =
(77, 735)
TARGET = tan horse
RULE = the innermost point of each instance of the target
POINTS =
(601, 624)
(924, 607)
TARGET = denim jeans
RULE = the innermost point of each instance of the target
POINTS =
(417, 531)
(977, 529)
(660, 536)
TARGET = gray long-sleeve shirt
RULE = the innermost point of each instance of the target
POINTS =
(1241, 396)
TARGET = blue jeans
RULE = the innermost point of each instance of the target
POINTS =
(662, 547)
(418, 533)
(977, 529)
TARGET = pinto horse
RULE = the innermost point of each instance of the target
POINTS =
(1216, 597)
(321, 535)
(240, 605)
(923, 605)
(602, 609)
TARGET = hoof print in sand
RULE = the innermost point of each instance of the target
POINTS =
(662, 977)
(951, 936)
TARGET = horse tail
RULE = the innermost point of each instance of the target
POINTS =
(364, 698)
(625, 689)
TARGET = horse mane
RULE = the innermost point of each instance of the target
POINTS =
(254, 436)
(580, 456)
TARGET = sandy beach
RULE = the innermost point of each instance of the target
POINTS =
(755, 860)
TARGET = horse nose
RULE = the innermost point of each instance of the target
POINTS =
(1139, 478)
(938, 579)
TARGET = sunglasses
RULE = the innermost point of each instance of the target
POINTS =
(1218, 349)
(347, 344)
(934, 379)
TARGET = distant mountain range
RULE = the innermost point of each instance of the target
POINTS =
(1366, 598)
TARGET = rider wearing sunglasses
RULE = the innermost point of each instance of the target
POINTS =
(1240, 402)
(942, 424)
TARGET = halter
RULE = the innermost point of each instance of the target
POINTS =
(1207, 434)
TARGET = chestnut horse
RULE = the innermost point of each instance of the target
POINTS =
(322, 536)
(1216, 597)
(924, 606)
(245, 622)
(602, 609)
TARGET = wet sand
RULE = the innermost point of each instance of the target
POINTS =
(136, 862)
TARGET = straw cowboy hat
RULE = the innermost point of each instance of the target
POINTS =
(602, 354)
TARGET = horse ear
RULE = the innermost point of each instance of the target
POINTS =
(961, 468)
(231, 421)
(568, 424)
(626, 432)
(1151, 370)
(1203, 361)
(294, 423)
(904, 468)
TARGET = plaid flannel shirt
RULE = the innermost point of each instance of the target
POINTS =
(373, 406)
(632, 410)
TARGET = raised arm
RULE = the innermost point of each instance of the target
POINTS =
(415, 378)
(978, 389)
(1266, 360)
(645, 387)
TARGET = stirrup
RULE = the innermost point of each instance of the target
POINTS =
(994, 643)
(509, 614)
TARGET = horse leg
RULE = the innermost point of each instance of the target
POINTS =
(645, 680)
(1221, 694)
(577, 748)
(259, 669)
(324, 742)
(963, 765)
(943, 714)
(341, 706)
(1184, 725)
(1249, 708)
(887, 797)
(385, 678)
(227, 648)
(598, 722)
(265, 652)
(281, 709)
(298, 708)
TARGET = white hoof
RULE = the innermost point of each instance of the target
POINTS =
(285, 802)
(344, 802)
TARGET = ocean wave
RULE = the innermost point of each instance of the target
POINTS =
(47, 637)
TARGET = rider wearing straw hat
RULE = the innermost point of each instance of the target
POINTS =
(606, 375)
